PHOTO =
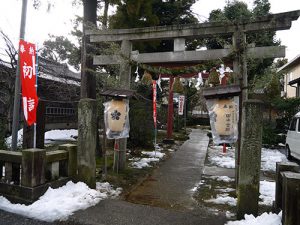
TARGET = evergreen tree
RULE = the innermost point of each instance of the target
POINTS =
(235, 12)
(174, 12)
(146, 13)
(238, 12)
(61, 49)
(134, 13)
(273, 88)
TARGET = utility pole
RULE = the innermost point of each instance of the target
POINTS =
(16, 112)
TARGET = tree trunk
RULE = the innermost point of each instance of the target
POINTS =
(105, 13)
(87, 110)
(88, 80)
(9, 115)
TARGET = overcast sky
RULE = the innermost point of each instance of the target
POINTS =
(57, 21)
(289, 38)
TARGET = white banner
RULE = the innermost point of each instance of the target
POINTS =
(180, 104)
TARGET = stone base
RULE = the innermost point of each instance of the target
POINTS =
(28, 195)
(87, 139)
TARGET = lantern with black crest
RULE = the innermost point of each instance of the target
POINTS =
(116, 113)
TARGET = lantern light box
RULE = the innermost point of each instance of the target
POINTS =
(116, 118)
(116, 113)
(223, 107)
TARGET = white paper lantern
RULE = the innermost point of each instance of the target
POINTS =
(116, 119)
(116, 115)
(226, 119)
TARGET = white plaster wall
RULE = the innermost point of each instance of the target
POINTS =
(292, 74)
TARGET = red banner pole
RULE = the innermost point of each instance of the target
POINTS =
(154, 113)
(154, 104)
(36, 87)
(224, 147)
(16, 116)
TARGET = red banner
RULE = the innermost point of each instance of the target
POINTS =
(154, 102)
(27, 56)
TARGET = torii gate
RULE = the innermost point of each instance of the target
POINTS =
(178, 33)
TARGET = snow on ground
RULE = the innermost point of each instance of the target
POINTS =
(158, 148)
(269, 157)
(154, 154)
(50, 136)
(107, 188)
(220, 159)
(19, 142)
(225, 190)
(61, 135)
(223, 199)
(140, 163)
(222, 178)
(58, 204)
(267, 192)
(194, 189)
(264, 219)
(229, 214)
(218, 178)
(223, 161)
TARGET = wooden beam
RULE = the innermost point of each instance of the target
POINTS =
(191, 56)
(56, 156)
(273, 22)
(11, 156)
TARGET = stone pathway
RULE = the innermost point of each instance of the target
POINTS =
(170, 185)
(115, 212)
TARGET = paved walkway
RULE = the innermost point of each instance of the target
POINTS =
(115, 212)
(169, 187)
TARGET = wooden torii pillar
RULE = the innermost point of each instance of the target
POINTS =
(178, 33)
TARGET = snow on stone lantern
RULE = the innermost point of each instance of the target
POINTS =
(223, 106)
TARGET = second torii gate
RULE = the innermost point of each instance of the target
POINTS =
(170, 118)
